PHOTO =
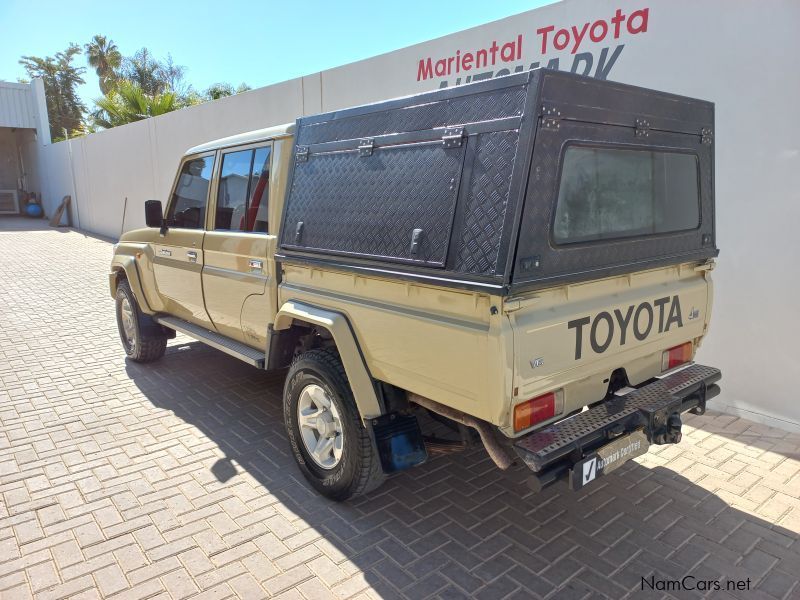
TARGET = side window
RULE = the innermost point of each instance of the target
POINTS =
(243, 191)
(259, 192)
(187, 208)
(234, 179)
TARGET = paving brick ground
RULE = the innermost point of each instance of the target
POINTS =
(174, 481)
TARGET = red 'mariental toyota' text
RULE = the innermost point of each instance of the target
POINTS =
(598, 30)
(549, 39)
(475, 59)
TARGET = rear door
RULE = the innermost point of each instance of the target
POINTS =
(237, 244)
(178, 253)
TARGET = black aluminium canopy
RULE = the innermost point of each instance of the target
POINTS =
(458, 186)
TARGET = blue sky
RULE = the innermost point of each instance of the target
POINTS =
(235, 41)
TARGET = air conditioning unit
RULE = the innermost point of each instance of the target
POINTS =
(9, 202)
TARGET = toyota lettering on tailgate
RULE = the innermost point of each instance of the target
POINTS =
(638, 320)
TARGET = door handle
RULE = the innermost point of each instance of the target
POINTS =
(191, 255)
(165, 252)
(256, 265)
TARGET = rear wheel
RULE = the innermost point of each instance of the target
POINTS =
(136, 330)
(329, 442)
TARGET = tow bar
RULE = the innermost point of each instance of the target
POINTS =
(597, 441)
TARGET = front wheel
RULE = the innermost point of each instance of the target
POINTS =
(138, 340)
(328, 440)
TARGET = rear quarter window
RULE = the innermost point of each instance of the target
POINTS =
(610, 193)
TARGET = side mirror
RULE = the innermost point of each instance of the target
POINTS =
(153, 213)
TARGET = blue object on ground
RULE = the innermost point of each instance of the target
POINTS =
(34, 210)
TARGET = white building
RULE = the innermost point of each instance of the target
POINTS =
(739, 54)
(23, 130)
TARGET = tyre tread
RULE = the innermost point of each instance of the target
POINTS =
(150, 348)
(370, 475)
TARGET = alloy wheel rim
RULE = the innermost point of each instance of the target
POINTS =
(320, 426)
(128, 326)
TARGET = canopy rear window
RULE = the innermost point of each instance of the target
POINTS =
(609, 193)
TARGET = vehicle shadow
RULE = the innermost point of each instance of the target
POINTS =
(459, 527)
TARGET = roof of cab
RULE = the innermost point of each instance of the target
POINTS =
(247, 137)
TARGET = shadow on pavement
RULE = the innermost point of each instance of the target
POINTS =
(459, 527)
(17, 223)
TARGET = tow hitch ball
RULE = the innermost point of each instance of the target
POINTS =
(670, 432)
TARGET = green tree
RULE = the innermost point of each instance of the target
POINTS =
(61, 78)
(105, 58)
(152, 75)
(221, 90)
(128, 102)
(172, 76)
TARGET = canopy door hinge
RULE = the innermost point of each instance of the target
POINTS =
(453, 137)
(706, 136)
(642, 128)
(551, 118)
(301, 154)
(366, 147)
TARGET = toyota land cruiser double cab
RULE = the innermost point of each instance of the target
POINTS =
(523, 261)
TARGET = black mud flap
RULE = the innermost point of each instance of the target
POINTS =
(597, 441)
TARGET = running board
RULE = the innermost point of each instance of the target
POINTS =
(236, 349)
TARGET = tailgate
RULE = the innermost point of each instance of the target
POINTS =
(578, 338)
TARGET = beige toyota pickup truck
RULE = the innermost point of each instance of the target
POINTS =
(524, 262)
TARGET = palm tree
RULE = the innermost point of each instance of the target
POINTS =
(105, 58)
(126, 102)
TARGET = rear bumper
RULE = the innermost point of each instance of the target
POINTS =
(561, 450)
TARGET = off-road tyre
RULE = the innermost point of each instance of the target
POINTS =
(359, 470)
(145, 346)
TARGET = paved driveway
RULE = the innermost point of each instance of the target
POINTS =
(173, 480)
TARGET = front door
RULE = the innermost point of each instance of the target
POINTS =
(237, 271)
(178, 253)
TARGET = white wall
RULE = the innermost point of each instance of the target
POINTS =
(739, 54)
(9, 160)
(28, 149)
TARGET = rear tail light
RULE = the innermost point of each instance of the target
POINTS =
(536, 410)
(675, 357)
